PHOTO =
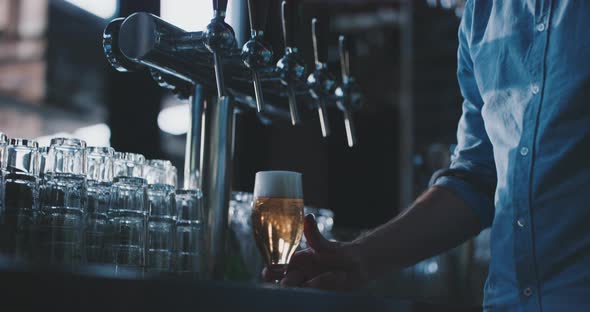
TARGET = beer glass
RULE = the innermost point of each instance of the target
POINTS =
(20, 187)
(63, 202)
(161, 178)
(99, 175)
(190, 233)
(277, 217)
(127, 213)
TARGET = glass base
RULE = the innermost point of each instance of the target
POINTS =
(277, 272)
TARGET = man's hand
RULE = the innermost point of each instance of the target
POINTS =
(325, 265)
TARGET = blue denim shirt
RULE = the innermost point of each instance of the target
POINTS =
(522, 160)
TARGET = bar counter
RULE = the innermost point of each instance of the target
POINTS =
(51, 291)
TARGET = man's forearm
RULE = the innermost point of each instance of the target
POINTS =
(438, 220)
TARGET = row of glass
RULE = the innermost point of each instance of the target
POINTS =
(68, 204)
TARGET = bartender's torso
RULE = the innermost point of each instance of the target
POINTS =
(531, 61)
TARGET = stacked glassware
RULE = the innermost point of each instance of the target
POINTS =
(20, 189)
(69, 205)
(127, 213)
(190, 233)
(63, 202)
(99, 175)
(161, 179)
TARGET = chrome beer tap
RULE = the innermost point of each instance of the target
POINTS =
(291, 66)
(219, 38)
(348, 94)
(257, 54)
(321, 82)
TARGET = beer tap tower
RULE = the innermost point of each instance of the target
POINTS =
(216, 76)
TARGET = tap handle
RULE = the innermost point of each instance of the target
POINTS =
(258, 14)
(344, 58)
(348, 93)
(219, 7)
(350, 129)
(288, 22)
(319, 41)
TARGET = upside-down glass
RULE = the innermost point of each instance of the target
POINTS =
(20, 187)
(277, 217)
(190, 233)
(42, 160)
(3, 143)
(127, 212)
(99, 175)
(240, 225)
(63, 202)
(161, 178)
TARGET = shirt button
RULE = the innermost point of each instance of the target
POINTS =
(520, 222)
(541, 27)
(527, 292)
(535, 89)
(524, 151)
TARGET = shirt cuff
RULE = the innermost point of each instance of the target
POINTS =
(482, 205)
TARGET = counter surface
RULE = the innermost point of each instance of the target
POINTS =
(50, 291)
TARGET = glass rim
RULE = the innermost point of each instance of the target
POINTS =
(130, 180)
(3, 138)
(135, 157)
(100, 150)
(43, 149)
(187, 191)
(159, 163)
(68, 142)
(23, 142)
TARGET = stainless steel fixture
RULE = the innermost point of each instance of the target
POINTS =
(321, 82)
(291, 66)
(256, 53)
(215, 75)
(348, 92)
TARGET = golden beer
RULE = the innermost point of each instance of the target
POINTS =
(278, 226)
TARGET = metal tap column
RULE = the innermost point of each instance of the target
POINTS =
(216, 168)
(192, 155)
(216, 145)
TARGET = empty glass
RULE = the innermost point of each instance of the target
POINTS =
(240, 223)
(20, 188)
(63, 202)
(3, 143)
(127, 212)
(42, 160)
(190, 233)
(99, 175)
(161, 177)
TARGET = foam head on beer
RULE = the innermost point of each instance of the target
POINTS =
(278, 184)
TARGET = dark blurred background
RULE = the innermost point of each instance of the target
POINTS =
(54, 80)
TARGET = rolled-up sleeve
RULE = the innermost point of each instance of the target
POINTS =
(472, 173)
